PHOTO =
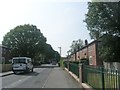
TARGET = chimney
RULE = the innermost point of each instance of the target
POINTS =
(86, 42)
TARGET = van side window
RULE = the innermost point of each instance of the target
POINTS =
(28, 60)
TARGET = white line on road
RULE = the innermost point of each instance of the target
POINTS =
(0, 83)
(13, 85)
(17, 82)
(46, 80)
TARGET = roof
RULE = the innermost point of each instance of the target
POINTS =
(86, 46)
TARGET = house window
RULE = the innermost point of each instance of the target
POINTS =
(90, 60)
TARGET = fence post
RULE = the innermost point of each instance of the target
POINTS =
(119, 79)
(68, 65)
(80, 73)
(103, 80)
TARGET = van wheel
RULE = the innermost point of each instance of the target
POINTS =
(15, 72)
(32, 70)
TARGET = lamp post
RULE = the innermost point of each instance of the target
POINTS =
(60, 50)
(60, 55)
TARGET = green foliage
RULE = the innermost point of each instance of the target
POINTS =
(103, 17)
(76, 62)
(27, 40)
(57, 56)
(109, 50)
(51, 54)
(61, 63)
(7, 62)
(103, 23)
(24, 40)
(105, 0)
(76, 45)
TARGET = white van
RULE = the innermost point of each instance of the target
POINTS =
(22, 64)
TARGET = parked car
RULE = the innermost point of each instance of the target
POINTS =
(53, 62)
(22, 64)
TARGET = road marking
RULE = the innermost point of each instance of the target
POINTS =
(46, 79)
(13, 85)
(17, 82)
(0, 83)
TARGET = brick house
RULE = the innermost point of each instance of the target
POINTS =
(5, 52)
(89, 51)
(0, 54)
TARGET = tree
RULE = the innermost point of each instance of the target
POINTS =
(104, 0)
(57, 56)
(25, 40)
(51, 54)
(109, 49)
(103, 18)
(103, 23)
(76, 45)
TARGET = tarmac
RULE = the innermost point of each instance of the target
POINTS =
(58, 78)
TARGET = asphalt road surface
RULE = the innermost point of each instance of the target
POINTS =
(43, 77)
(27, 80)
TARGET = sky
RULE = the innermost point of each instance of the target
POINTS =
(60, 21)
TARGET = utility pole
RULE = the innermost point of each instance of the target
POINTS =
(60, 50)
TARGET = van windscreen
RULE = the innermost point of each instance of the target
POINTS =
(19, 60)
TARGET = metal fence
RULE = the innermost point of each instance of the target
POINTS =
(66, 64)
(101, 78)
(73, 67)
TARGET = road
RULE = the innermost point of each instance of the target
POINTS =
(31, 80)
(42, 77)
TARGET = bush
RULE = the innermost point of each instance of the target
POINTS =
(76, 62)
(84, 60)
(8, 62)
(61, 63)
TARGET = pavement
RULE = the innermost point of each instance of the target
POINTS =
(6, 73)
(59, 78)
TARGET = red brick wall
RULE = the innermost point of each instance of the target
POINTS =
(6, 54)
(78, 56)
(92, 53)
(87, 52)
(72, 57)
(83, 53)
